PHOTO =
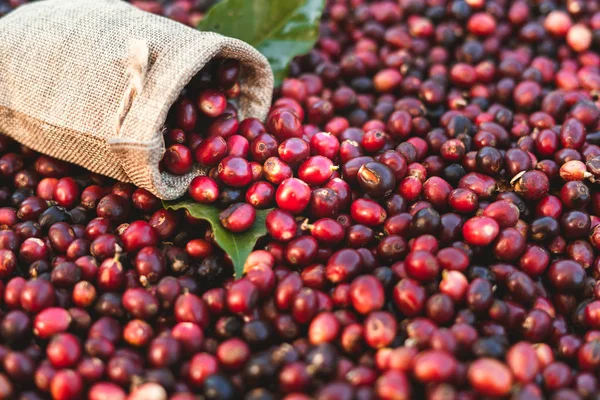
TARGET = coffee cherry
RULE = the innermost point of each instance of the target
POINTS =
(50, 322)
(316, 170)
(376, 179)
(238, 217)
(500, 379)
(204, 190)
(367, 212)
(139, 234)
(211, 102)
(178, 159)
(480, 231)
(293, 195)
(210, 151)
(63, 350)
(281, 225)
(284, 124)
(533, 185)
(235, 171)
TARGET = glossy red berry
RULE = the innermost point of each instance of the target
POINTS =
(293, 195)
(284, 124)
(63, 350)
(281, 225)
(238, 217)
(211, 102)
(178, 159)
(490, 377)
(532, 185)
(66, 192)
(204, 190)
(211, 151)
(139, 234)
(480, 231)
(367, 212)
(316, 170)
(367, 294)
(235, 171)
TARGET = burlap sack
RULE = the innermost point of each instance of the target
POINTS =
(91, 82)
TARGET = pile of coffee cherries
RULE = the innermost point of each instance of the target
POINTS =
(433, 169)
(203, 107)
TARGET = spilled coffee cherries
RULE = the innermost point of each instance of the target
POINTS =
(432, 169)
(204, 106)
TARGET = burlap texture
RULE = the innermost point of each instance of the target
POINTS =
(91, 82)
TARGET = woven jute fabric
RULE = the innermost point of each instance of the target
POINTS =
(91, 82)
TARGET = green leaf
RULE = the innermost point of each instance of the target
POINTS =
(237, 245)
(279, 29)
